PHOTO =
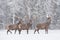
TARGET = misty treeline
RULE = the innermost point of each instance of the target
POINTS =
(11, 9)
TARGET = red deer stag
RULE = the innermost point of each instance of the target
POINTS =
(13, 27)
(43, 26)
(25, 26)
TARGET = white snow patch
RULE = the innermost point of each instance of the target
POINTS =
(52, 35)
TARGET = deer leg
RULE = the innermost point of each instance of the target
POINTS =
(46, 30)
(15, 31)
(9, 31)
(27, 31)
(19, 31)
(38, 31)
(34, 31)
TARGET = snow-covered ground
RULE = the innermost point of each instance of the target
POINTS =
(52, 35)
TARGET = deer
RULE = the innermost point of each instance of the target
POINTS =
(44, 25)
(13, 26)
(24, 26)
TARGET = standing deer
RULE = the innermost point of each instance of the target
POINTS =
(25, 26)
(13, 27)
(43, 26)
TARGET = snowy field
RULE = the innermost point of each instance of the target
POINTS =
(52, 35)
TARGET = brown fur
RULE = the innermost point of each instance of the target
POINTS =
(43, 25)
(13, 27)
(25, 26)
